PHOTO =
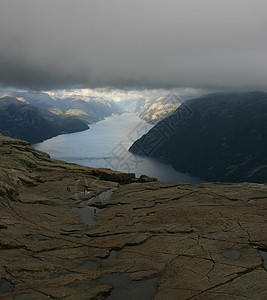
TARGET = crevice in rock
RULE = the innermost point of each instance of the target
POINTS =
(239, 274)
(243, 229)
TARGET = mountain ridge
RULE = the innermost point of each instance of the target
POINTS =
(35, 116)
(152, 109)
(20, 119)
(217, 137)
(92, 109)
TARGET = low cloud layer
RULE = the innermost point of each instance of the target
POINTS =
(63, 44)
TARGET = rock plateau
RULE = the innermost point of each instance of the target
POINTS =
(153, 240)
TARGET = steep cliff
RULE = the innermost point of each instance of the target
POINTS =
(219, 137)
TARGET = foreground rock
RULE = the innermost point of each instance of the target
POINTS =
(153, 239)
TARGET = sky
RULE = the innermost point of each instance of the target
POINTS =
(133, 45)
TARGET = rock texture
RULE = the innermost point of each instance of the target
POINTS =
(153, 239)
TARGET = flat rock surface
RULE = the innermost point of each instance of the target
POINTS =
(153, 240)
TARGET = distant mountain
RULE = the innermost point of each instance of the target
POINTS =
(133, 105)
(88, 109)
(157, 109)
(219, 137)
(35, 116)
(153, 110)
(20, 119)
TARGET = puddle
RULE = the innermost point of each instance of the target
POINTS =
(87, 214)
(251, 200)
(113, 254)
(194, 229)
(137, 224)
(88, 263)
(264, 257)
(78, 194)
(125, 288)
(232, 254)
(102, 197)
(6, 286)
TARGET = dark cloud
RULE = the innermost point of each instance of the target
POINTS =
(121, 43)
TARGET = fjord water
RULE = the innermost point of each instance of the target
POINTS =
(106, 144)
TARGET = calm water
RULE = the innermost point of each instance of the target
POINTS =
(106, 144)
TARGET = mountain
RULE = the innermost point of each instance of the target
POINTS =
(74, 232)
(133, 105)
(35, 116)
(88, 109)
(219, 137)
(153, 110)
(19, 119)
(157, 109)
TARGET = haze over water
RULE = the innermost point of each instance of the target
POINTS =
(106, 144)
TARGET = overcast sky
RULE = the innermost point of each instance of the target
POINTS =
(133, 44)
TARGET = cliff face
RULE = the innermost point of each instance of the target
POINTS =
(220, 137)
(73, 232)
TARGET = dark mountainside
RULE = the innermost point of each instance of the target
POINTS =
(35, 116)
(22, 120)
(74, 232)
(219, 137)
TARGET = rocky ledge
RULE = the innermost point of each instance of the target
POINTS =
(72, 232)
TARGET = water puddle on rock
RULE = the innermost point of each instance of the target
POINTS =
(232, 254)
(113, 254)
(263, 254)
(102, 197)
(87, 213)
(79, 194)
(194, 229)
(137, 224)
(252, 200)
(124, 288)
(6, 286)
